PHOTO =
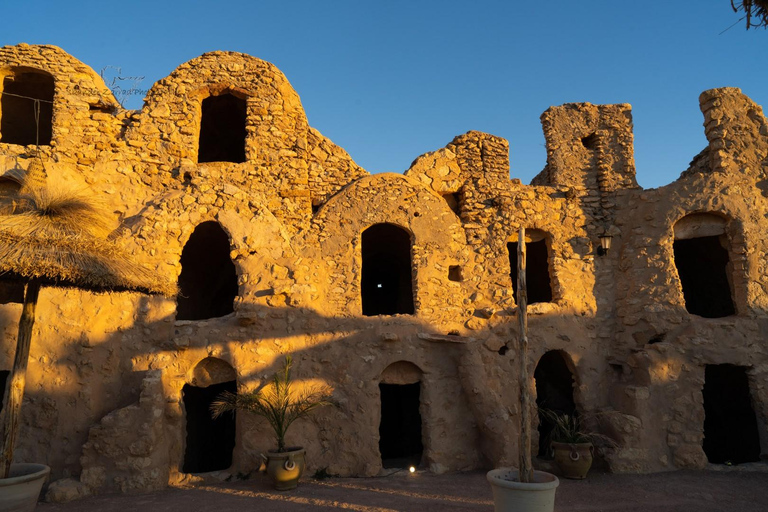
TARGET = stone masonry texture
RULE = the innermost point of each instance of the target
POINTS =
(104, 406)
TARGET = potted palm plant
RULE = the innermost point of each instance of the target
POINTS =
(572, 444)
(280, 405)
(53, 236)
(522, 489)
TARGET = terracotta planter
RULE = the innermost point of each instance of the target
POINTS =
(573, 459)
(285, 468)
(509, 495)
(19, 492)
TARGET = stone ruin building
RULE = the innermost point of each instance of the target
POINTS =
(395, 289)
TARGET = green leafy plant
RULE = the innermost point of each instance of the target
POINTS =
(277, 401)
(569, 428)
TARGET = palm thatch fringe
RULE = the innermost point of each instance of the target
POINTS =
(62, 238)
(756, 11)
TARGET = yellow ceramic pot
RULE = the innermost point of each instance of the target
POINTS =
(573, 459)
(285, 468)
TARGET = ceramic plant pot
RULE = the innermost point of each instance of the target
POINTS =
(509, 495)
(285, 468)
(19, 492)
(573, 459)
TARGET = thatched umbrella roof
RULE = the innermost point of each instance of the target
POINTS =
(756, 11)
(62, 238)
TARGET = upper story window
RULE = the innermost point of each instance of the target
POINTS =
(701, 251)
(23, 120)
(387, 278)
(208, 279)
(537, 275)
(222, 129)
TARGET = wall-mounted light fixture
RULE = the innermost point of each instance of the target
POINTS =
(605, 244)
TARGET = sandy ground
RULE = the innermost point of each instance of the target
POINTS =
(690, 491)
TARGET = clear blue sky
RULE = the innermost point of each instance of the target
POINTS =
(389, 80)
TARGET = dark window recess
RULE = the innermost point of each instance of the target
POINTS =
(590, 141)
(730, 425)
(17, 115)
(400, 429)
(222, 129)
(208, 280)
(537, 277)
(209, 442)
(11, 291)
(453, 202)
(454, 273)
(4, 374)
(554, 391)
(702, 265)
(387, 281)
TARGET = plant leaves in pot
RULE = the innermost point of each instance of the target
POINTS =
(572, 444)
(280, 404)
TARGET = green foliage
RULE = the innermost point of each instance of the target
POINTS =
(276, 401)
(570, 429)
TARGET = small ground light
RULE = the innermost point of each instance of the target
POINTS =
(412, 469)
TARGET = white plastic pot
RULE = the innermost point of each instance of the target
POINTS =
(510, 495)
(19, 492)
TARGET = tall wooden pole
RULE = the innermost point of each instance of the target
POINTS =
(525, 466)
(15, 389)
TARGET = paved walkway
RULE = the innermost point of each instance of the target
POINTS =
(688, 491)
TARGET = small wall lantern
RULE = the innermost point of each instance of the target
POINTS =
(605, 244)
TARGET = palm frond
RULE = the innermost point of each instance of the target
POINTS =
(276, 402)
(755, 11)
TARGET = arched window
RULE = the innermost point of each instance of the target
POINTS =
(537, 277)
(208, 280)
(554, 391)
(701, 250)
(20, 122)
(387, 279)
(222, 129)
(400, 437)
(209, 442)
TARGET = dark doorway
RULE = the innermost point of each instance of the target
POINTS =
(554, 391)
(537, 277)
(387, 280)
(702, 265)
(730, 425)
(400, 429)
(17, 117)
(222, 129)
(4, 374)
(209, 442)
(208, 280)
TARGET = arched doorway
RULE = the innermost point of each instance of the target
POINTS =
(701, 250)
(537, 274)
(208, 279)
(730, 425)
(387, 279)
(400, 429)
(209, 442)
(554, 391)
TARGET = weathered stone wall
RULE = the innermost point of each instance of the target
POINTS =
(104, 403)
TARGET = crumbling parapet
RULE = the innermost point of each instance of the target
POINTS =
(736, 130)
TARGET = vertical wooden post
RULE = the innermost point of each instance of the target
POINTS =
(525, 467)
(16, 381)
